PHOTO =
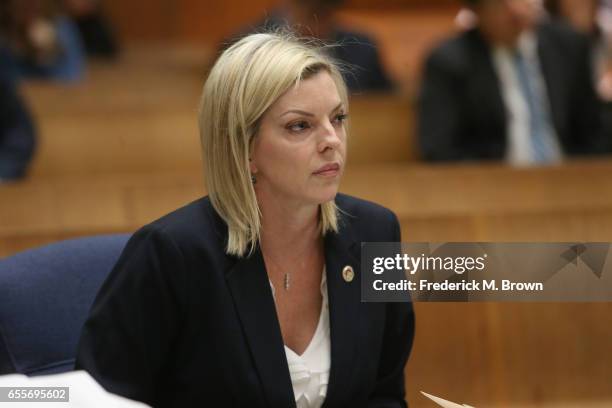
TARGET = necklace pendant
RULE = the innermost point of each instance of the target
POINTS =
(287, 281)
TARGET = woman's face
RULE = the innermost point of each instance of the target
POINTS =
(299, 151)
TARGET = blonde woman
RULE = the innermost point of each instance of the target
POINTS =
(251, 296)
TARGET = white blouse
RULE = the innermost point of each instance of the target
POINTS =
(310, 371)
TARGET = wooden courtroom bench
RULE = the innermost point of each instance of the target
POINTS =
(165, 138)
(482, 354)
(140, 114)
(466, 202)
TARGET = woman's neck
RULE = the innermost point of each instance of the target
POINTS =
(289, 227)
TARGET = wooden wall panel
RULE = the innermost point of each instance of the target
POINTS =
(150, 20)
(190, 21)
(519, 354)
(404, 30)
(399, 4)
(208, 22)
(214, 21)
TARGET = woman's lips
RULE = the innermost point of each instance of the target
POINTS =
(329, 170)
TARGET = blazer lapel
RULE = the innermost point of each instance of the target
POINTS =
(250, 288)
(344, 307)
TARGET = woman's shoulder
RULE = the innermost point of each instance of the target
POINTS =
(367, 219)
(197, 226)
(194, 226)
(360, 208)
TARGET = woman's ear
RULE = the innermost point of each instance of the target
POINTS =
(252, 166)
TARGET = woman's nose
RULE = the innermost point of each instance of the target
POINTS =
(330, 138)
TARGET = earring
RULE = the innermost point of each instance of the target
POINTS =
(253, 179)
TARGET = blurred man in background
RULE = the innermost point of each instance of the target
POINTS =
(316, 18)
(95, 29)
(593, 18)
(511, 88)
(17, 140)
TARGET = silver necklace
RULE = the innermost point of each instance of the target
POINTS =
(286, 275)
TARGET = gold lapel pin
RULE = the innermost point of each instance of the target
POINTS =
(348, 274)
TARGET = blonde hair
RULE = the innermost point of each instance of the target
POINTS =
(245, 81)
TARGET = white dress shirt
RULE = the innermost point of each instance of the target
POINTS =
(310, 370)
(519, 151)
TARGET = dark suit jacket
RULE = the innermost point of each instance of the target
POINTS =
(17, 131)
(461, 111)
(179, 323)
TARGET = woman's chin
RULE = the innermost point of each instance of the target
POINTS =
(326, 195)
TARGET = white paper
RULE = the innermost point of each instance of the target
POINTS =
(444, 403)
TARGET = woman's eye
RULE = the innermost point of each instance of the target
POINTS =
(340, 118)
(298, 126)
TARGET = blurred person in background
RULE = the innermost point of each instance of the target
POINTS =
(604, 19)
(17, 133)
(96, 31)
(513, 87)
(316, 18)
(45, 43)
(593, 18)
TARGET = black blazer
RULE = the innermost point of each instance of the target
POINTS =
(179, 323)
(462, 114)
(17, 130)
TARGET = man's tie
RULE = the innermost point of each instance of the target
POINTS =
(543, 144)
